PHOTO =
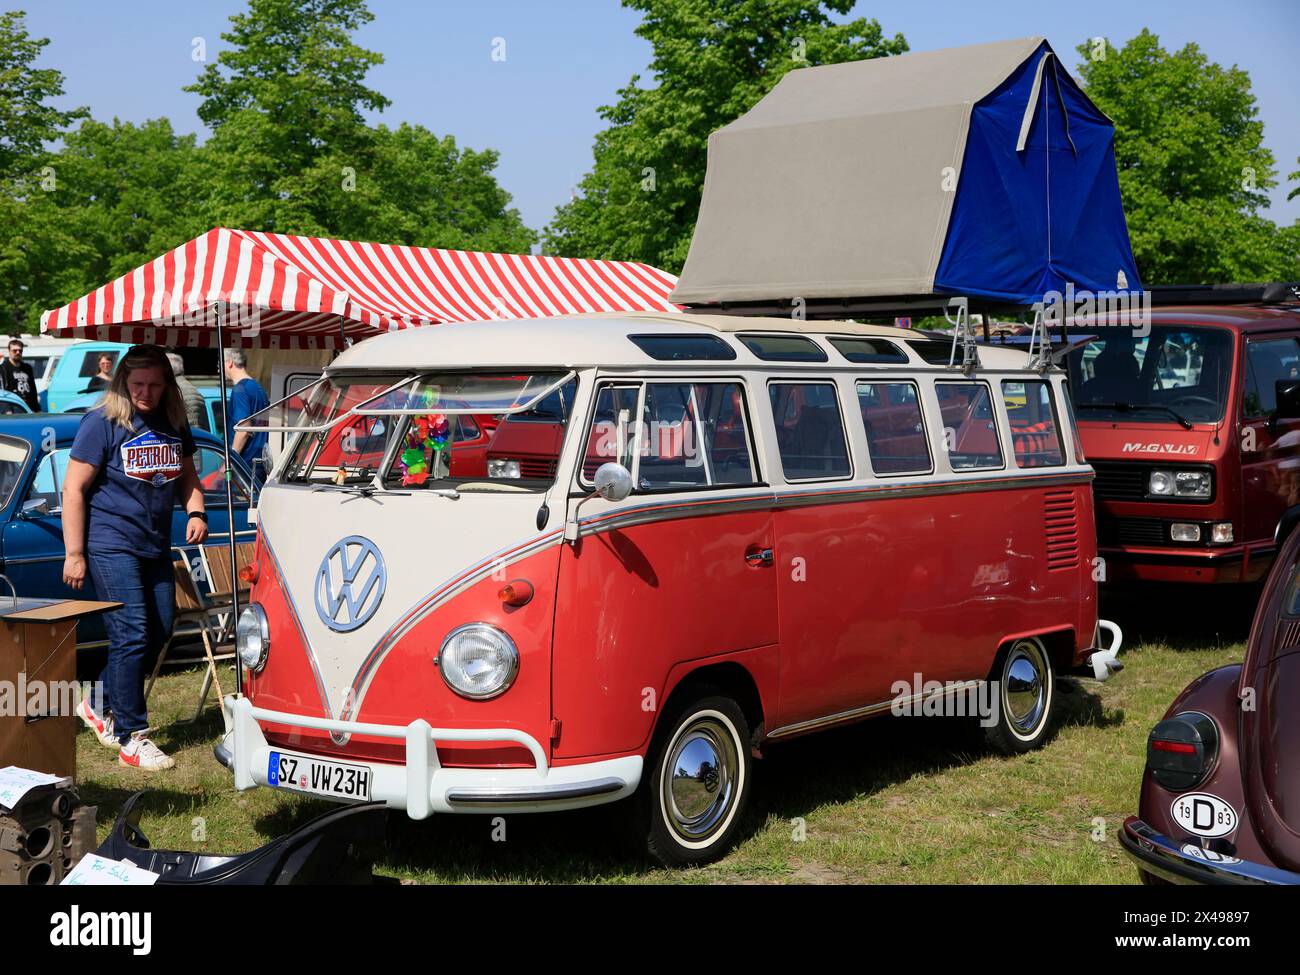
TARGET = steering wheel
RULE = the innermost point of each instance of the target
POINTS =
(1194, 398)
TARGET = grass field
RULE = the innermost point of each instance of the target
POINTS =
(903, 800)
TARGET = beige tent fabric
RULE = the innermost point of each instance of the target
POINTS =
(835, 185)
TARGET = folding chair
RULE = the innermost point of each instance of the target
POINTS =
(215, 560)
(191, 608)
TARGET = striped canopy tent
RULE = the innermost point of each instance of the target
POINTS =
(280, 291)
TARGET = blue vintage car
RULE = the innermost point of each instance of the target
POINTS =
(33, 459)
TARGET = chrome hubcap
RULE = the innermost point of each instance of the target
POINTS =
(701, 775)
(1024, 686)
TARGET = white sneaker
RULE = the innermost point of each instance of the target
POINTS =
(139, 752)
(102, 727)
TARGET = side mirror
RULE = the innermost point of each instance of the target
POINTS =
(33, 507)
(613, 482)
(1288, 399)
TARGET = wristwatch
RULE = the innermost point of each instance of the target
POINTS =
(201, 515)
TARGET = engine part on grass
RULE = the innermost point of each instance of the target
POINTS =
(335, 848)
(46, 832)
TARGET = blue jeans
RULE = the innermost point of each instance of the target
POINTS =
(147, 590)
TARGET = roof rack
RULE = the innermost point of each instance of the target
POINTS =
(1265, 293)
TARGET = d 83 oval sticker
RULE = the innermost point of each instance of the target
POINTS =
(1204, 814)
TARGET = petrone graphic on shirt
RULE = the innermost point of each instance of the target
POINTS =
(152, 457)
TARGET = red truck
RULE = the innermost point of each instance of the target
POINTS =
(1192, 424)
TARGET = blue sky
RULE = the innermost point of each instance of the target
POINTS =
(565, 59)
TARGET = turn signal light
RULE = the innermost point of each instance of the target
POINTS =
(249, 573)
(517, 592)
(1181, 750)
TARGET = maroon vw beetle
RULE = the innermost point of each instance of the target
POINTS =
(1221, 792)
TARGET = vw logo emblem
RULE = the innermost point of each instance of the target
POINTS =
(350, 583)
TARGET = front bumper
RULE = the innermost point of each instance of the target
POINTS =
(1231, 564)
(1158, 854)
(421, 785)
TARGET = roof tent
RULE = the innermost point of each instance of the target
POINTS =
(982, 171)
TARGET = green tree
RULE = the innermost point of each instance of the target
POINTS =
(1192, 164)
(289, 93)
(1294, 177)
(27, 119)
(116, 195)
(291, 150)
(712, 60)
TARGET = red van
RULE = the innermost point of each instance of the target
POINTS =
(1192, 424)
(721, 533)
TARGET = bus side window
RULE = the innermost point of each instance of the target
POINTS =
(970, 433)
(1035, 434)
(809, 431)
(896, 438)
(694, 435)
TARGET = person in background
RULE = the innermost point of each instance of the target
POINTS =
(195, 409)
(104, 378)
(17, 377)
(131, 462)
(246, 397)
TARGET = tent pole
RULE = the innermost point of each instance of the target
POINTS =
(230, 497)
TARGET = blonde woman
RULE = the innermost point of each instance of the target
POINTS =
(131, 460)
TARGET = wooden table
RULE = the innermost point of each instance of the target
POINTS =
(38, 673)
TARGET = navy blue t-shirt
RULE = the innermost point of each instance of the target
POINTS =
(246, 399)
(134, 490)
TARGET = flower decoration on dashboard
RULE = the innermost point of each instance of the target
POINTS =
(428, 442)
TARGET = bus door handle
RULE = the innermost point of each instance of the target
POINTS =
(758, 557)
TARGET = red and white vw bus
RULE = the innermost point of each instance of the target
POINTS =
(747, 530)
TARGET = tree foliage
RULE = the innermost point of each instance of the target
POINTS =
(27, 119)
(290, 151)
(711, 61)
(1192, 164)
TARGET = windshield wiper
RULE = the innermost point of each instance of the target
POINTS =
(1133, 407)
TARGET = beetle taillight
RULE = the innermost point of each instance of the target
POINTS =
(248, 573)
(1181, 750)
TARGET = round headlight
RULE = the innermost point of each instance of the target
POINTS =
(1161, 483)
(252, 637)
(478, 661)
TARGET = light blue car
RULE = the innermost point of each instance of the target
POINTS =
(75, 369)
(11, 403)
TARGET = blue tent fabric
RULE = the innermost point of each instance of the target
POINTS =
(1034, 220)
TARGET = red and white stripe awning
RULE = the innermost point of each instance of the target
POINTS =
(287, 292)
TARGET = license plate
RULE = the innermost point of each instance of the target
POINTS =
(339, 780)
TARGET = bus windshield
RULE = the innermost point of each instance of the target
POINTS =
(431, 432)
(1176, 374)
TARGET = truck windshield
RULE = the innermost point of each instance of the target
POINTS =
(1176, 374)
(431, 432)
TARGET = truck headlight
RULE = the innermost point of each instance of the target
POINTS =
(478, 661)
(500, 467)
(252, 637)
(1180, 484)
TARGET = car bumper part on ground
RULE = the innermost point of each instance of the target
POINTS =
(1166, 858)
(421, 785)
